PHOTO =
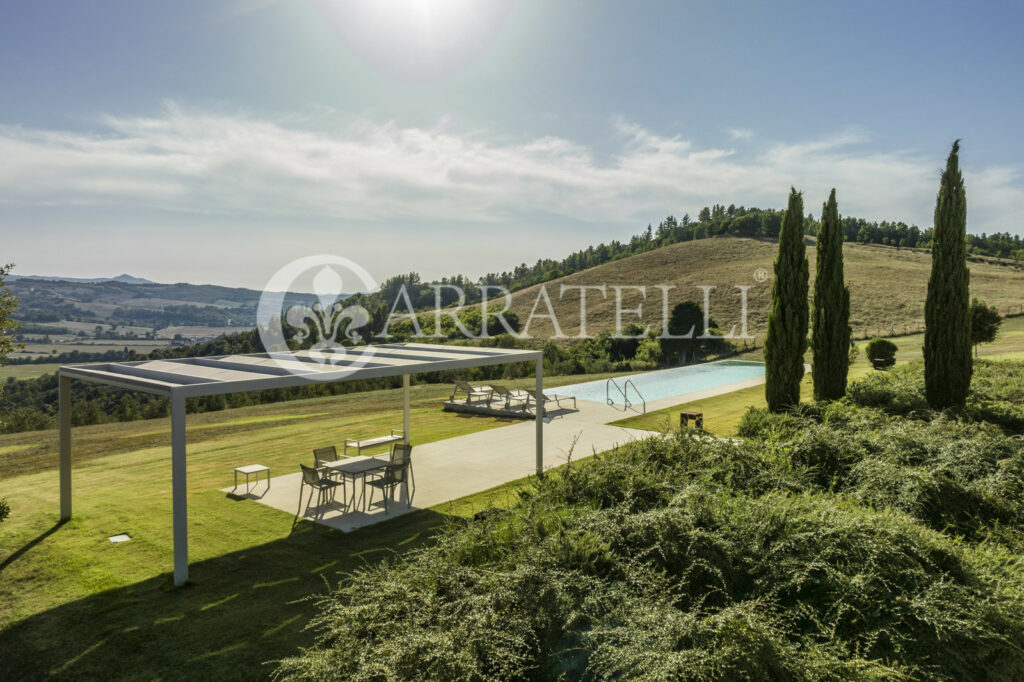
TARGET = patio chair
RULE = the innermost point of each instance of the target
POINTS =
(512, 399)
(552, 398)
(318, 480)
(323, 458)
(397, 473)
(471, 392)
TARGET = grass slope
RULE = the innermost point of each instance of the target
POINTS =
(887, 285)
(75, 605)
(722, 413)
(27, 371)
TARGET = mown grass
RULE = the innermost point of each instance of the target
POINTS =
(722, 414)
(76, 605)
(839, 542)
(28, 371)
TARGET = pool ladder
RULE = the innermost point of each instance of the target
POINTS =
(624, 392)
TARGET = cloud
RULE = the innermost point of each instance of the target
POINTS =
(377, 171)
(740, 133)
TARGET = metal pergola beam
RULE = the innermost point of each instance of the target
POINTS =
(190, 383)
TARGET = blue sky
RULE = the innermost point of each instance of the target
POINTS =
(213, 142)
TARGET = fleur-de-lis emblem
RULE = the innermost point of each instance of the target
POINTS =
(326, 315)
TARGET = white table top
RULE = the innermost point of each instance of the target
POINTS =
(252, 469)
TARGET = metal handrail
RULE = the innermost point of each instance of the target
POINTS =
(624, 392)
(607, 395)
(629, 382)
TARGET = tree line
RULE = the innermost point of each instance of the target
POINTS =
(31, 404)
(711, 221)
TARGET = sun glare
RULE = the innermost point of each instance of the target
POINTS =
(416, 39)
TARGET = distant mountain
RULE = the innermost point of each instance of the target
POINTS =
(124, 279)
(128, 279)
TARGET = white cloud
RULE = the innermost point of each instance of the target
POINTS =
(370, 171)
(740, 133)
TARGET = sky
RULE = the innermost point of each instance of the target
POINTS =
(214, 142)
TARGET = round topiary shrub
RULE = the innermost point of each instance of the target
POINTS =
(881, 353)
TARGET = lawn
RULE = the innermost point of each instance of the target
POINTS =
(29, 371)
(36, 349)
(74, 604)
(722, 413)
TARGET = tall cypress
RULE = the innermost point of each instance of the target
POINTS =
(786, 341)
(947, 313)
(830, 317)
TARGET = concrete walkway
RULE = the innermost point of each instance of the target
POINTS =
(456, 467)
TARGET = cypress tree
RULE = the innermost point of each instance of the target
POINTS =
(947, 313)
(831, 314)
(786, 341)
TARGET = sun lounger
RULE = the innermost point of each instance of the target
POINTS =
(513, 399)
(482, 392)
(552, 398)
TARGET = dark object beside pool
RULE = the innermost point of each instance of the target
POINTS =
(697, 417)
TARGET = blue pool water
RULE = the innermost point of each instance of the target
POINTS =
(667, 383)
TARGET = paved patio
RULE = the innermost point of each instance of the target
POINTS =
(455, 467)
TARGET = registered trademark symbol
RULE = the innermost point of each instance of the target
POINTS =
(761, 275)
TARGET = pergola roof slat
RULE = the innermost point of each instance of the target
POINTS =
(249, 372)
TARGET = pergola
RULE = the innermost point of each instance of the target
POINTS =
(182, 378)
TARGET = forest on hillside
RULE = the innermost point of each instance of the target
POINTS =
(717, 220)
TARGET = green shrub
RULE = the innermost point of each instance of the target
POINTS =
(676, 558)
(997, 393)
(761, 423)
(881, 352)
(5, 509)
(900, 391)
(958, 477)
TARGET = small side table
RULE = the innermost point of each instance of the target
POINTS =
(252, 470)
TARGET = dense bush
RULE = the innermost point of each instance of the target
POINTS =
(680, 558)
(996, 396)
(900, 391)
(5, 509)
(760, 423)
(881, 352)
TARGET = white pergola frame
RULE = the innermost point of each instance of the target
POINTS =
(182, 378)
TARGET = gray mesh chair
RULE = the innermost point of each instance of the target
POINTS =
(324, 456)
(397, 473)
(317, 480)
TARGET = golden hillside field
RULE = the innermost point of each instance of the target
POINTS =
(887, 286)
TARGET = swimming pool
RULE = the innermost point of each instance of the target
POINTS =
(667, 383)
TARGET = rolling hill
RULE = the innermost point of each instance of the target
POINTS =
(127, 300)
(887, 286)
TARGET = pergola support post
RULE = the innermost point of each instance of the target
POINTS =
(179, 489)
(540, 417)
(64, 408)
(405, 408)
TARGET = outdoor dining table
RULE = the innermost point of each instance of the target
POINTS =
(357, 467)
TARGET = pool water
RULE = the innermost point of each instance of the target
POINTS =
(668, 383)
